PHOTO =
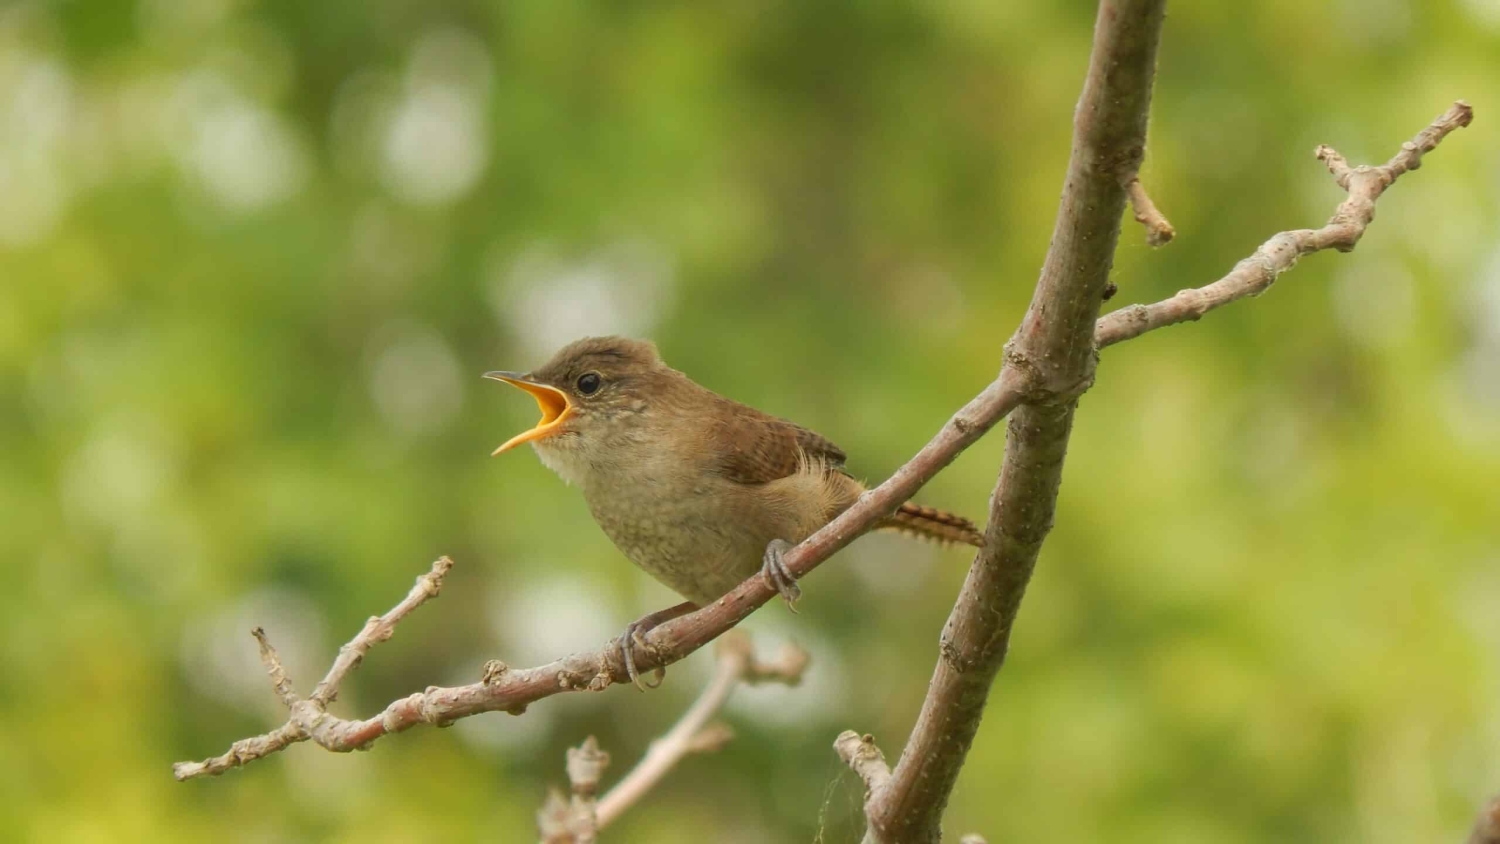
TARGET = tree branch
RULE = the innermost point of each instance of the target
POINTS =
(505, 689)
(1023, 505)
(509, 690)
(693, 733)
(1255, 274)
(272, 662)
(909, 807)
(307, 718)
(378, 629)
(1055, 342)
(579, 821)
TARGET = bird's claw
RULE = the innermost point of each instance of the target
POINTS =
(774, 569)
(627, 653)
(641, 626)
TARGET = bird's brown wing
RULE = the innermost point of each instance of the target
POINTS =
(758, 448)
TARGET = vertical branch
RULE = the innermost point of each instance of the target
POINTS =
(1054, 348)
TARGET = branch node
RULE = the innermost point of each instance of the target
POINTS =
(861, 754)
(1159, 231)
(1336, 164)
(586, 764)
(1035, 387)
(493, 671)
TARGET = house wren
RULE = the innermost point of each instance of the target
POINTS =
(698, 490)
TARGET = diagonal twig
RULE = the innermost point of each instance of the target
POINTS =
(307, 717)
(1253, 275)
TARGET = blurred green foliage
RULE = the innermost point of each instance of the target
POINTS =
(255, 255)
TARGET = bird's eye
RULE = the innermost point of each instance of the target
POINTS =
(588, 383)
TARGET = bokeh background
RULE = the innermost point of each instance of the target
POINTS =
(255, 255)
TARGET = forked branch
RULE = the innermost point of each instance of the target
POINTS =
(309, 718)
(908, 808)
(1255, 274)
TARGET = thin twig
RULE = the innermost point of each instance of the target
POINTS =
(562, 822)
(308, 718)
(1159, 232)
(378, 629)
(272, 661)
(693, 733)
(1253, 275)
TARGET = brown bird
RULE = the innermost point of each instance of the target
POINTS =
(698, 490)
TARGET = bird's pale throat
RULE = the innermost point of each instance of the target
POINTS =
(553, 402)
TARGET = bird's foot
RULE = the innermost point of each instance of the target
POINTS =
(774, 570)
(641, 626)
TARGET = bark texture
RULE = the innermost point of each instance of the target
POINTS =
(1054, 352)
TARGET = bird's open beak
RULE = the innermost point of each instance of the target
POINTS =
(554, 404)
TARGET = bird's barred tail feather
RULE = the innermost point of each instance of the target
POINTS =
(930, 523)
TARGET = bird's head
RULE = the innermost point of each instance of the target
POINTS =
(589, 392)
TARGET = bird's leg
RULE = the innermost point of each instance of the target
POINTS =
(774, 570)
(643, 625)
